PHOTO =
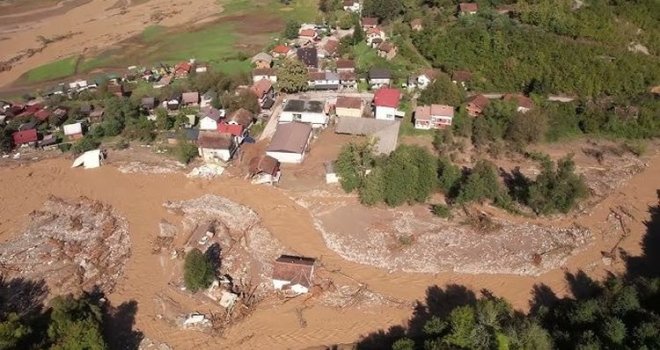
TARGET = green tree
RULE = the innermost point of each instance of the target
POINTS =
(292, 76)
(198, 272)
(87, 143)
(483, 183)
(462, 322)
(442, 91)
(5, 140)
(352, 164)
(291, 29)
(371, 191)
(358, 32)
(13, 331)
(163, 120)
(449, 176)
(382, 9)
(76, 324)
(556, 190)
(527, 128)
(410, 175)
(139, 129)
(185, 151)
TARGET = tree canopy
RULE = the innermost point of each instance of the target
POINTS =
(198, 271)
(292, 76)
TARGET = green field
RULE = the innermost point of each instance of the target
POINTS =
(54, 70)
(299, 10)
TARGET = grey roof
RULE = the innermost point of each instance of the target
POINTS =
(331, 76)
(262, 56)
(325, 87)
(308, 56)
(312, 106)
(379, 73)
(290, 137)
(385, 131)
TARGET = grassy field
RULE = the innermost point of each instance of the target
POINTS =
(299, 10)
(54, 70)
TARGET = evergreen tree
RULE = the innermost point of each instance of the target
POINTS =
(76, 324)
(198, 271)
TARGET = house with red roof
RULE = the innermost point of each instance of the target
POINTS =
(281, 51)
(369, 22)
(263, 89)
(307, 34)
(476, 105)
(523, 103)
(433, 117)
(468, 8)
(182, 69)
(25, 137)
(386, 104)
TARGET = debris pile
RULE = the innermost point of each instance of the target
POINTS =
(357, 296)
(166, 167)
(207, 171)
(73, 246)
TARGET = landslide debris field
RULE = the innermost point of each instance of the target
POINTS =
(71, 245)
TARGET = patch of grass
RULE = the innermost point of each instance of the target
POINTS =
(299, 10)
(232, 66)
(213, 42)
(152, 33)
(54, 70)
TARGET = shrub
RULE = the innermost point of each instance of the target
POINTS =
(441, 210)
(198, 271)
(185, 151)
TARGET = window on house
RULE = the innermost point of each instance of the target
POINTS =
(297, 116)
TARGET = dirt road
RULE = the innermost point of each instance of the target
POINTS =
(139, 198)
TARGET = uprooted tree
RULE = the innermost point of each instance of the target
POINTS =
(198, 271)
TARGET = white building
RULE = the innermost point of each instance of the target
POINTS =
(379, 77)
(293, 274)
(209, 118)
(264, 73)
(305, 111)
(386, 104)
(73, 131)
(290, 142)
(215, 147)
(433, 117)
(352, 6)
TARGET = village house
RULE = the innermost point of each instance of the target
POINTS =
(78, 85)
(293, 273)
(386, 104)
(387, 50)
(422, 80)
(306, 111)
(384, 133)
(48, 142)
(461, 77)
(215, 147)
(369, 22)
(25, 137)
(172, 103)
(349, 107)
(263, 89)
(290, 142)
(148, 103)
(323, 80)
(379, 77)
(307, 34)
(163, 82)
(352, 6)
(182, 69)
(374, 37)
(189, 134)
(209, 118)
(264, 169)
(467, 8)
(201, 68)
(206, 99)
(281, 51)
(523, 103)
(42, 115)
(262, 60)
(328, 49)
(264, 73)
(344, 65)
(73, 131)
(190, 98)
(476, 105)
(96, 116)
(237, 124)
(308, 56)
(433, 116)
(416, 25)
(348, 80)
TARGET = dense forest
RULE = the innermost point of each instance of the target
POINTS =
(620, 312)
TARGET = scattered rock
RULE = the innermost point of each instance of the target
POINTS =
(207, 171)
(167, 229)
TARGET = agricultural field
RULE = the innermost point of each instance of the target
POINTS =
(51, 71)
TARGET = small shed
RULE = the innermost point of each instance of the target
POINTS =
(330, 174)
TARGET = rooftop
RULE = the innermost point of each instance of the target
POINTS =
(387, 97)
(290, 137)
(310, 106)
(214, 140)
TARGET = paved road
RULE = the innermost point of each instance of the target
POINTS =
(271, 125)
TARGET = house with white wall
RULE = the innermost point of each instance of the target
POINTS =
(290, 142)
(434, 116)
(349, 107)
(264, 73)
(293, 274)
(210, 117)
(305, 111)
(379, 77)
(386, 104)
(215, 147)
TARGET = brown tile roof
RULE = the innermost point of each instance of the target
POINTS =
(521, 100)
(468, 7)
(281, 49)
(261, 87)
(425, 112)
(479, 101)
(461, 75)
(369, 21)
(347, 76)
(264, 164)
(307, 33)
(386, 46)
(312, 76)
(263, 71)
(241, 117)
(190, 97)
(297, 270)
(345, 64)
(349, 102)
(290, 137)
(331, 46)
(214, 140)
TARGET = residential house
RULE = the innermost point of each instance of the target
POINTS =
(374, 36)
(163, 81)
(379, 77)
(306, 111)
(293, 273)
(329, 49)
(323, 80)
(352, 6)
(58, 117)
(73, 131)
(42, 115)
(290, 142)
(148, 103)
(264, 169)
(423, 79)
(461, 77)
(384, 133)
(173, 102)
(387, 50)
(25, 137)
(78, 85)
(48, 142)
(96, 116)
(32, 124)
(467, 8)
(264, 73)
(369, 22)
(308, 56)
(433, 116)
(416, 24)
(263, 89)
(307, 34)
(476, 105)
(201, 68)
(345, 66)
(215, 147)
(85, 109)
(181, 70)
(386, 104)
(210, 117)
(348, 80)
(523, 103)
(262, 60)
(188, 134)
(190, 98)
(207, 99)
(349, 107)
(281, 51)
(237, 124)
